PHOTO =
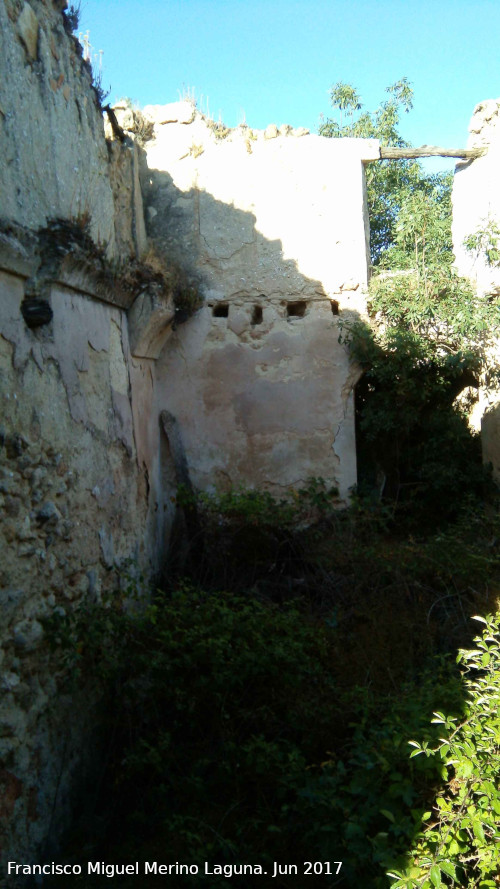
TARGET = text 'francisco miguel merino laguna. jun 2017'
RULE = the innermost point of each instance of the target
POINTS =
(154, 868)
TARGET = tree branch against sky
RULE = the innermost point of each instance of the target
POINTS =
(390, 184)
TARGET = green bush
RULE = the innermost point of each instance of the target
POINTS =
(415, 447)
(224, 702)
(460, 845)
(369, 792)
(249, 729)
(232, 740)
(251, 540)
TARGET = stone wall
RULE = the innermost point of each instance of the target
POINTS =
(79, 441)
(54, 156)
(84, 502)
(274, 225)
(73, 503)
(476, 204)
(271, 228)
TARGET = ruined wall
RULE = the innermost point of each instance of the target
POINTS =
(476, 194)
(274, 225)
(54, 156)
(272, 228)
(45, 96)
(73, 507)
(79, 480)
(476, 205)
(79, 442)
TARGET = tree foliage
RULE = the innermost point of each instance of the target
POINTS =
(430, 332)
(389, 183)
(414, 446)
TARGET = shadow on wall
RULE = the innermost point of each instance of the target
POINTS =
(260, 386)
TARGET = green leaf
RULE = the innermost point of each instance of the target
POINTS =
(435, 875)
(465, 768)
(477, 827)
(388, 814)
(449, 869)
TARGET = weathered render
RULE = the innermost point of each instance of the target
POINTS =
(476, 208)
(274, 225)
(74, 505)
(476, 195)
(98, 342)
(79, 441)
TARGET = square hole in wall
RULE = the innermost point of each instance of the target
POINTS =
(257, 315)
(296, 309)
(220, 310)
(335, 307)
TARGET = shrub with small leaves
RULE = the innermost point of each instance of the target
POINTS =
(460, 846)
(486, 241)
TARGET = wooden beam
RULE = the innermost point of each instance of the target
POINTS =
(387, 152)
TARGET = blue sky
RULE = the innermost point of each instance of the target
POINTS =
(273, 61)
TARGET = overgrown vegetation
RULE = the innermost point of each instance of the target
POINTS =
(270, 721)
(261, 707)
(416, 451)
(485, 241)
(218, 128)
(460, 845)
(101, 92)
(430, 334)
(71, 17)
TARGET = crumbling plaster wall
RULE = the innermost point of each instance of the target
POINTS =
(54, 156)
(274, 224)
(80, 508)
(73, 507)
(273, 227)
(476, 194)
(476, 204)
(79, 438)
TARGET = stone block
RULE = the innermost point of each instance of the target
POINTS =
(174, 112)
(27, 25)
(271, 132)
(27, 635)
(238, 322)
